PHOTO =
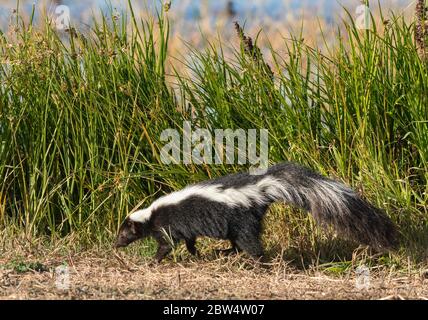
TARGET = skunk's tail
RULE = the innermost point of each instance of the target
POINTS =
(332, 203)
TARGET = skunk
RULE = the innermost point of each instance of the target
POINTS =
(232, 207)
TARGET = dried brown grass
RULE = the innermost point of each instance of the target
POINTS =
(107, 274)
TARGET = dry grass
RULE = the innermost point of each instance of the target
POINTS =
(121, 275)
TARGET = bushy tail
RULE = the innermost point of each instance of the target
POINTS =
(332, 203)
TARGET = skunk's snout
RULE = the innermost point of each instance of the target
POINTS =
(128, 233)
(120, 243)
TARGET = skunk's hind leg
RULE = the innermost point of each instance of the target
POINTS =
(246, 236)
(190, 245)
(251, 245)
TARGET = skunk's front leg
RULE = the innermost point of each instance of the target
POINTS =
(163, 249)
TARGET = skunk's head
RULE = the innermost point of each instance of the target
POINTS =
(130, 231)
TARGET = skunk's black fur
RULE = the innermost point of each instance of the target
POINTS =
(232, 207)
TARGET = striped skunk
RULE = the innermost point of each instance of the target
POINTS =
(232, 207)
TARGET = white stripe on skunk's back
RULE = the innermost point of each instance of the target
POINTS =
(233, 197)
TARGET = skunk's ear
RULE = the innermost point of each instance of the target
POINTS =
(133, 227)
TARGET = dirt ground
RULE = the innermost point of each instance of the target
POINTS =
(92, 276)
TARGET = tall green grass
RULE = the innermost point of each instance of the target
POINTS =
(81, 119)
